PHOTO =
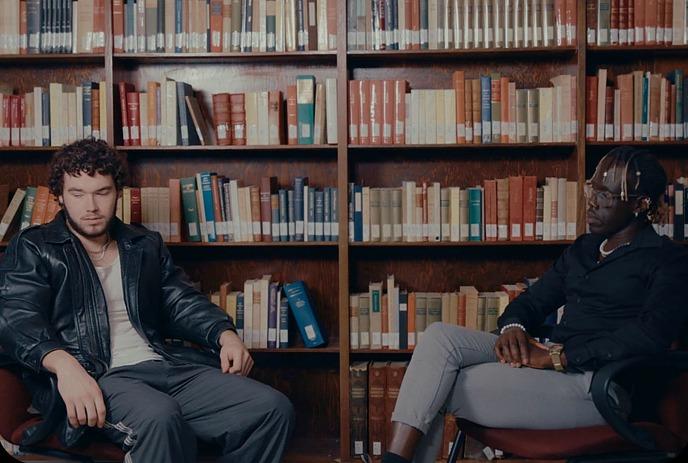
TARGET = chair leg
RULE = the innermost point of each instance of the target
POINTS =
(56, 454)
(456, 447)
(638, 457)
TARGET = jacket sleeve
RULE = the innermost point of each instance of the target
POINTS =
(25, 301)
(189, 312)
(658, 324)
(547, 294)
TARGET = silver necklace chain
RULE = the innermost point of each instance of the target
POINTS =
(101, 252)
(604, 253)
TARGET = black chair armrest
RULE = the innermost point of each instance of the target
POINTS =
(602, 379)
(53, 415)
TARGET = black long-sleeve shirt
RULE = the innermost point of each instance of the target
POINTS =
(634, 302)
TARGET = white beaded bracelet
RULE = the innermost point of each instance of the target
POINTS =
(512, 325)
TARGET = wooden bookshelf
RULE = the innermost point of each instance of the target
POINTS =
(317, 380)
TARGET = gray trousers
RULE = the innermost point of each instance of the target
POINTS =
(159, 409)
(455, 370)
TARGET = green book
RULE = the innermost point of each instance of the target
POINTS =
(27, 209)
(188, 186)
(475, 199)
(305, 108)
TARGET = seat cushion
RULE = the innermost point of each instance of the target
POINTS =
(565, 443)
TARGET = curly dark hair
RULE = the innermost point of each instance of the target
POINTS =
(89, 156)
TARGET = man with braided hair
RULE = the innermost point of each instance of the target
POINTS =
(622, 288)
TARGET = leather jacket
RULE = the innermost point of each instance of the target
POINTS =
(51, 298)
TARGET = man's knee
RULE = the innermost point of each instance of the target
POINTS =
(163, 415)
(279, 407)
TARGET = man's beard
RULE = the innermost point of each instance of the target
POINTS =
(77, 228)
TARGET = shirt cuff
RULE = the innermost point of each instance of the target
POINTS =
(217, 330)
(34, 358)
(577, 356)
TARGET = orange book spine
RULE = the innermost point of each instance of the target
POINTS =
(221, 115)
(23, 29)
(400, 112)
(216, 26)
(505, 116)
(468, 109)
(529, 207)
(118, 25)
(591, 108)
(364, 104)
(331, 25)
(516, 208)
(411, 320)
(237, 118)
(415, 24)
(15, 114)
(98, 26)
(292, 119)
(354, 112)
(388, 106)
(375, 112)
(152, 95)
(458, 81)
(40, 205)
(95, 112)
(52, 210)
(651, 12)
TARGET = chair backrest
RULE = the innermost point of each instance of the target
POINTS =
(673, 408)
(14, 402)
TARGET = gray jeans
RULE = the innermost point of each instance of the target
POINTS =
(159, 408)
(455, 370)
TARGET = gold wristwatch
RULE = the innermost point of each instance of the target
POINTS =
(555, 354)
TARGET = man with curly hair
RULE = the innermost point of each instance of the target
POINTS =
(91, 299)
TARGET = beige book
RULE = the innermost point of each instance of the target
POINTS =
(366, 214)
(262, 27)
(637, 97)
(70, 134)
(319, 119)
(536, 22)
(264, 286)
(171, 121)
(561, 208)
(251, 105)
(601, 95)
(431, 117)
(385, 214)
(521, 115)
(449, 116)
(477, 24)
(164, 208)
(321, 22)
(375, 215)
(396, 196)
(563, 87)
(143, 111)
(414, 110)
(263, 120)
(56, 118)
(454, 216)
(408, 114)
(12, 210)
(126, 205)
(545, 99)
(533, 115)
(435, 227)
(440, 129)
(231, 306)
(375, 295)
(471, 294)
(502, 209)
(432, 25)
(571, 209)
(617, 114)
(330, 110)
(444, 215)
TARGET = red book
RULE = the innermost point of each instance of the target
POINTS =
(388, 106)
(237, 118)
(23, 29)
(375, 109)
(377, 384)
(98, 26)
(221, 116)
(571, 12)
(354, 112)
(124, 88)
(292, 116)
(609, 113)
(529, 207)
(400, 112)
(216, 26)
(590, 108)
(134, 117)
(15, 114)
(135, 205)
(22, 121)
(516, 208)
(415, 23)
(364, 103)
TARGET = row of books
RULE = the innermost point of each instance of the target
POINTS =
(373, 391)
(673, 211)
(57, 26)
(200, 26)
(460, 24)
(397, 318)
(512, 208)
(258, 118)
(640, 106)
(261, 312)
(488, 109)
(54, 116)
(637, 22)
(210, 207)
(33, 205)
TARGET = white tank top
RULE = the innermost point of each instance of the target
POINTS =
(127, 347)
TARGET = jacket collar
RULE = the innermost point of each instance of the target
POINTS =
(646, 237)
(57, 231)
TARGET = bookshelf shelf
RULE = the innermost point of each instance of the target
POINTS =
(460, 244)
(232, 148)
(404, 352)
(300, 350)
(28, 149)
(256, 244)
(639, 49)
(466, 146)
(301, 57)
(73, 58)
(639, 143)
(395, 56)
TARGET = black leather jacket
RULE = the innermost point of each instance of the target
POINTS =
(51, 298)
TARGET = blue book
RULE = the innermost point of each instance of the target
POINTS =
(403, 319)
(327, 218)
(284, 323)
(678, 81)
(311, 214)
(239, 322)
(319, 215)
(486, 108)
(178, 25)
(646, 101)
(475, 214)
(273, 314)
(334, 214)
(284, 216)
(292, 215)
(45, 117)
(299, 183)
(86, 108)
(205, 186)
(302, 310)
(358, 213)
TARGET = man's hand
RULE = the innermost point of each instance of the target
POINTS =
(512, 347)
(538, 356)
(234, 357)
(80, 392)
